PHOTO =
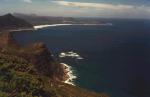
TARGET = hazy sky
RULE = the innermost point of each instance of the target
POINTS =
(79, 8)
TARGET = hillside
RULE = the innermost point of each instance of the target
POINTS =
(18, 78)
(36, 54)
(10, 22)
(32, 72)
(42, 20)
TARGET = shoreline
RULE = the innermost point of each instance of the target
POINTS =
(45, 26)
(69, 74)
(36, 27)
(17, 30)
(54, 25)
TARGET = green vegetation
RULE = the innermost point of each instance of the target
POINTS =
(16, 81)
(20, 79)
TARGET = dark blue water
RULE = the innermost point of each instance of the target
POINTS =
(117, 58)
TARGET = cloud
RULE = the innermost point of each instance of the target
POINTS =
(106, 9)
(102, 6)
(27, 1)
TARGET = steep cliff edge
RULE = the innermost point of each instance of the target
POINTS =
(36, 54)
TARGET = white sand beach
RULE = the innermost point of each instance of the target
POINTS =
(53, 25)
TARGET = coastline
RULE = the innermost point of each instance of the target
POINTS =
(17, 30)
(69, 73)
(36, 27)
(54, 25)
(69, 76)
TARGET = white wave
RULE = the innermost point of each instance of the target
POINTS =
(70, 54)
(70, 74)
(53, 25)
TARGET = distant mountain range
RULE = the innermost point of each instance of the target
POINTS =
(42, 20)
(10, 22)
(17, 21)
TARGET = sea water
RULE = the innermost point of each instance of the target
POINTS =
(116, 58)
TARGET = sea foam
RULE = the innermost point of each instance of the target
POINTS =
(70, 54)
(70, 73)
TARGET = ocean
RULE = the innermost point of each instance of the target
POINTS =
(116, 57)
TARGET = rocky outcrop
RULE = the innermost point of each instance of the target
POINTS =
(37, 54)
(6, 39)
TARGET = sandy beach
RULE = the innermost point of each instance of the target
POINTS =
(53, 25)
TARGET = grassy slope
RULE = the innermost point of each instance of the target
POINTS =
(20, 79)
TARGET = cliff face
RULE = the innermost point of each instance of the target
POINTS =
(41, 57)
(7, 40)
(9, 22)
(36, 54)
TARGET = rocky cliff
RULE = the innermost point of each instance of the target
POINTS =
(36, 54)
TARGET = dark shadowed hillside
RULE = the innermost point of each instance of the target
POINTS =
(41, 20)
(10, 22)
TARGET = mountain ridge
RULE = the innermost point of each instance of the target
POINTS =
(9, 22)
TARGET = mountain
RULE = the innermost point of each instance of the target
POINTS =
(41, 20)
(32, 71)
(10, 22)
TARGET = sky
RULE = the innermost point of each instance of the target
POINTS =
(79, 8)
